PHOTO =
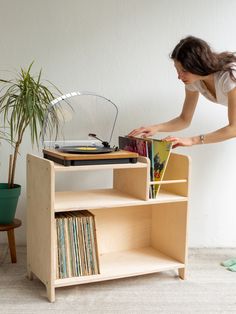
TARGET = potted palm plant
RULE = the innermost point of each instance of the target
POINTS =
(23, 104)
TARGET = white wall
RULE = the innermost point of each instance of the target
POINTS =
(120, 48)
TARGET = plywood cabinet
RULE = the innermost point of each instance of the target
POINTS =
(135, 235)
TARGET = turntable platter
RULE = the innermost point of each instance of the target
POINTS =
(85, 149)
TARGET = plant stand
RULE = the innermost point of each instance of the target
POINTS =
(11, 237)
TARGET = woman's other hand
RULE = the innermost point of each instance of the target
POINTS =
(179, 141)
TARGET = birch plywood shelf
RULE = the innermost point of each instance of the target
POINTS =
(135, 235)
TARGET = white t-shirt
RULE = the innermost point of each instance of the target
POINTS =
(223, 85)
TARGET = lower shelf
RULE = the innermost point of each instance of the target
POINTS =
(126, 264)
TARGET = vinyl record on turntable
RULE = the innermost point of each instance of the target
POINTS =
(85, 149)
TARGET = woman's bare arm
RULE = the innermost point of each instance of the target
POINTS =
(179, 123)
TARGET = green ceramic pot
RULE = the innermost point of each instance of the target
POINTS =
(8, 202)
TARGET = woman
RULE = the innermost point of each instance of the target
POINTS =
(206, 72)
(214, 76)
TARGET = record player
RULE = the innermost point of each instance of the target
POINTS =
(79, 112)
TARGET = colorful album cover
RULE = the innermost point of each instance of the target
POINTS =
(161, 153)
(135, 145)
(156, 150)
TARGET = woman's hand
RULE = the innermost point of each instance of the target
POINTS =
(179, 141)
(144, 131)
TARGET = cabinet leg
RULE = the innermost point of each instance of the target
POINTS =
(182, 273)
(30, 274)
(51, 293)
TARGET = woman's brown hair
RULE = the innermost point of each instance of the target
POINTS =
(196, 56)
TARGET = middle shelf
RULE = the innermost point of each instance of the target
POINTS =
(100, 198)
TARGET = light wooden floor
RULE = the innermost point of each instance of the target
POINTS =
(209, 288)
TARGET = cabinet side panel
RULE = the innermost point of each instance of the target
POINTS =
(169, 229)
(40, 218)
(133, 181)
(178, 167)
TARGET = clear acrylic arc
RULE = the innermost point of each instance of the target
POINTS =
(57, 101)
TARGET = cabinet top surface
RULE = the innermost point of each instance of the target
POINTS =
(59, 167)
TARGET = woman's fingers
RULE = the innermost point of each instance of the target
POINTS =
(143, 132)
(173, 140)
